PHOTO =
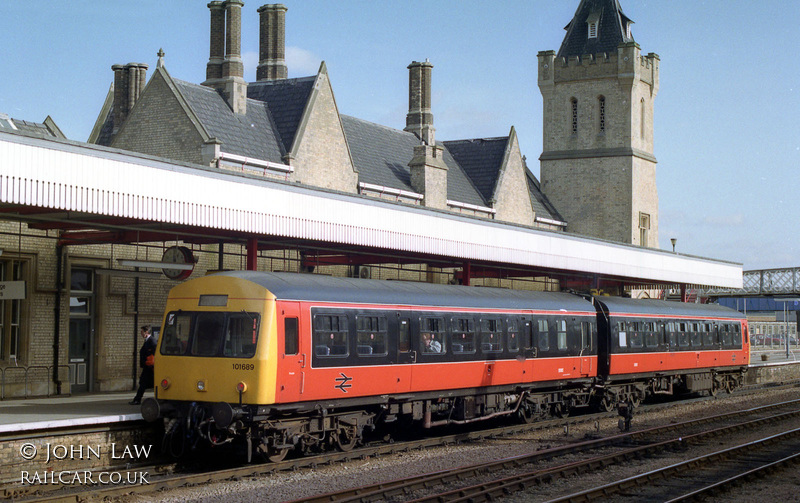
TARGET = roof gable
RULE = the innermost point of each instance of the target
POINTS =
(611, 29)
(286, 100)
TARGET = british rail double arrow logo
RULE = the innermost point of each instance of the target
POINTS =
(343, 382)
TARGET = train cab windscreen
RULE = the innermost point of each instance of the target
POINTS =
(210, 334)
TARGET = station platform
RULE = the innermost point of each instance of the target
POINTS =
(52, 413)
(49, 413)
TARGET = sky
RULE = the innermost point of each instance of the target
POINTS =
(727, 114)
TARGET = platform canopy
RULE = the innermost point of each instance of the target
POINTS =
(95, 194)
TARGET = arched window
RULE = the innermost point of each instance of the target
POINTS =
(601, 105)
(642, 120)
(574, 103)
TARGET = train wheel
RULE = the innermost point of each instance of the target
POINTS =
(272, 454)
(526, 414)
(346, 438)
(276, 455)
(606, 404)
(729, 385)
(714, 389)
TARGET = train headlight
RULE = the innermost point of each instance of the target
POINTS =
(201, 386)
(165, 383)
(241, 387)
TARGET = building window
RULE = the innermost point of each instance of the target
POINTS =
(11, 313)
(574, 103)
(593, 30)
(644, 228)
(601, 102)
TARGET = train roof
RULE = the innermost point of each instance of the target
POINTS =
(320, 288)
(618, 305)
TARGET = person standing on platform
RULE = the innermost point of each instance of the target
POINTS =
(146, 360)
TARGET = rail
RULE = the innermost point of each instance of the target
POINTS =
(29, 370)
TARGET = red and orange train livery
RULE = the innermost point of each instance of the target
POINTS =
(301, 361)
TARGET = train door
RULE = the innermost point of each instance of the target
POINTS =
(587, 337)
(529, 349)
(406, 353)
(292, 352)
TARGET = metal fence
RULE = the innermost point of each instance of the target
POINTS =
(32, 374)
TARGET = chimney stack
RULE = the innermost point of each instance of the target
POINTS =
(226, 74)
(272, 42)
(217, 53)
(129, 81)
(420, 119)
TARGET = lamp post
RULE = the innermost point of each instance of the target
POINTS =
(673, 241)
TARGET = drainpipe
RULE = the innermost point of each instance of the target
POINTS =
(57, 316)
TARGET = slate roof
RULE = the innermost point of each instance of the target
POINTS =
(286, 100)
(541, 205)
(611, 29)
(381, 154)
(252, 135)
(28, 128)
(481, 159)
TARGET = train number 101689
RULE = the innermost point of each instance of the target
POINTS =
(243, 366)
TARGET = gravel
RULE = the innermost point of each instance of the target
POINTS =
(287, 486)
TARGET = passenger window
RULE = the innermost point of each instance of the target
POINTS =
(561, 327)
(491, 335)
(513, 335)
(290, 336)
(708, 340)
(586, 336)
(330, 335)
(371, 335)
(543, 335)
(463, 335)
(431, 336)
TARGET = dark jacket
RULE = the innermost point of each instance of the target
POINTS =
(148, 348)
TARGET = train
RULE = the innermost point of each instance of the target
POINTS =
(306, 362)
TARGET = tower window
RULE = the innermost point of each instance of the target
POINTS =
(642, 120)
(593, 30)
(574, 103)
(601, 102)
(644, 228)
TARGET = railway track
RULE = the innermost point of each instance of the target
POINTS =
(701, 476)
(645, 443)
(174, 480)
